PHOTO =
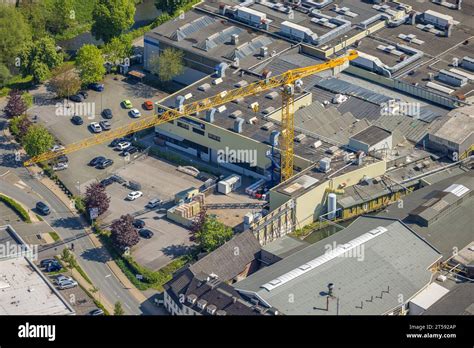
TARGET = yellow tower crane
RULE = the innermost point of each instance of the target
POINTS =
(286, 80)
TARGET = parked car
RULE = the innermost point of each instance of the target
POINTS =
(96, 160)
(98, 87)
(97, 311)
(84, 94)
(134, 195)
(104, 164)
(53, 266)
(56, 148)
(127, 104)
(77, 120)
(154, 203)
(138, 223)
(46, 262)
(60, 166)
(95, 127)
(61, 278)
(117, 179)
(123, 145)
(144, 233)
(43, 208)
(62, 159)
(135, 113)
(133, 185)
(78, 98)
(107, 113)
(130, 151)
(67, 284)
(115, 142)
(148, 105)
(105, 125)
(106, 182)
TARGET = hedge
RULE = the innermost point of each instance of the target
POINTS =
(22, 213)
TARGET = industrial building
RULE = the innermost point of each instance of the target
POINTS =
(24, 289)
(364, 269)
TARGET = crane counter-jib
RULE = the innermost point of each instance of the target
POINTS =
(288, 77)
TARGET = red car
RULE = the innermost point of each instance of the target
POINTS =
(148, 105)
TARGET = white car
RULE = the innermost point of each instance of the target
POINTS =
(95, 127)
(62, 278)
(60, 166)
(57, 148)
(123, 145)
(134, 195)
(67, 284)
(135, 113)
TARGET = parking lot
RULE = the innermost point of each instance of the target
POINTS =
(76, 296)
(51, 113)
(158, 180)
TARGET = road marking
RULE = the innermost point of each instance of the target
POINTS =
(19, 186)
(108, 275)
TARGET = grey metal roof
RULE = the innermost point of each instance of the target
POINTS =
(250, 48)
(285, 245)
(339, 86)
(192, 27)
(372, 135)
(451, 230)
(459, 301)
(391, 264)
(230, 259)
(218, 38)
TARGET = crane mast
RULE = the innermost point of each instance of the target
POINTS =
(286, 80)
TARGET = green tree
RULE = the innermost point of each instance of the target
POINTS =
(171, 6)
(37, 140)
(19, 126)
(39, 57)
(118, 48)
(36, 13)
(112, 18)
(118, 310)
(62, 16)
(213, 234)
(168, 64)
(14, 31)
(5, 75)
(65, 81)
(90, 63)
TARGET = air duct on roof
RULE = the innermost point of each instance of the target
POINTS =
(220, 69)
(210, 115)
(238, 124)
(179, 101)
(274, 135)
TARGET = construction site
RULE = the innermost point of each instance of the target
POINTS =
(325, 111)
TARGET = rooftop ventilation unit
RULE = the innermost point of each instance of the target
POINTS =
(235, 114)
(267, 126)
(220, 69)
(299, 138)
(238, 124)
(272, 95)
(234, 39)
(253, 120)
(325, 164)
(204, 87)
(210, 114)
(274, 138)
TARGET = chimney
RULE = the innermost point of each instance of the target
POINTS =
(458, 5)
(264, 51)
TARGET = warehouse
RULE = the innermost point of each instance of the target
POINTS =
(371, 281)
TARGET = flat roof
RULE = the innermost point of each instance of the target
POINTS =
(459, 126)
(451, 230)
(367, 285)
(372, 135)
(459, 301)
(284, 246)
(24, 290)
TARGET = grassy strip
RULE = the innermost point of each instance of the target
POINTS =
(96, 302)
(83, 274)
(55, 236)
(17, 82)
(22, 213)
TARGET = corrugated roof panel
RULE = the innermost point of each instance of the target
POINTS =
(192, 27)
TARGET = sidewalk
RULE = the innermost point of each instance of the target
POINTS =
(51, 185)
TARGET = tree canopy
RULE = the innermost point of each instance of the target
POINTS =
(118, 49)
(65, 80)
(39, 57)
(37, 140)
(123, 233)
(213, 234)
(96, 197)
(16, 106)
(112, 18)
(14, 32)
(90, 63)
(168, 64)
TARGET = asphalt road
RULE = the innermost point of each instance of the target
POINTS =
(69, 228)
